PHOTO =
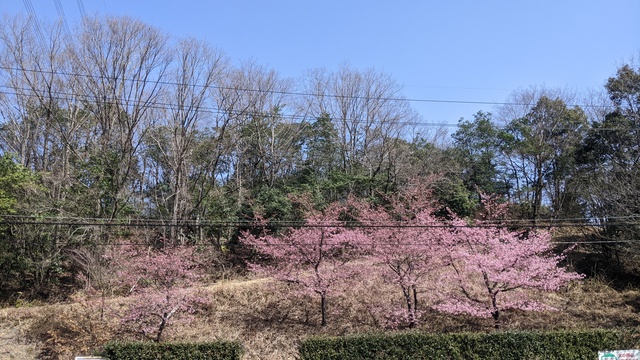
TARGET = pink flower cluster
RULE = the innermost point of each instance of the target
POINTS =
(477, 267)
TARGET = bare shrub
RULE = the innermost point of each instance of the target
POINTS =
(70, 330)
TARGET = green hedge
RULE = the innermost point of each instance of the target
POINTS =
(220, 350)
(504, 346)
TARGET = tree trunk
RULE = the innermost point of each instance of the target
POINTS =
(496, 312)
(537, 195)
(411, 310)
(323, 306)
(163, 324)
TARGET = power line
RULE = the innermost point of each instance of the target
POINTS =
(36, 24)
(394, 244)
(53, 221)
(63, 96)
(83, 12)
(302, 118)
(165, 223)
(62, 15)
(293, 93)
(506, 222)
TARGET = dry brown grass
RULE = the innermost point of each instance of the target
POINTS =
(269, 324)
(13, 324)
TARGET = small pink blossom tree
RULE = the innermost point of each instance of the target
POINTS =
(407, 244)
(314, 256)
(155, 310)
(496, 267)
(157, 278)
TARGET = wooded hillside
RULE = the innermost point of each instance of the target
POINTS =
(119, 142)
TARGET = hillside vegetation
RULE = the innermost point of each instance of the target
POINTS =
(269, 325)
(152, 189)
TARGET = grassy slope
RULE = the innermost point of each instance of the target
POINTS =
(269, 324)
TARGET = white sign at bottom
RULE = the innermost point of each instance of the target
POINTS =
(619, 355)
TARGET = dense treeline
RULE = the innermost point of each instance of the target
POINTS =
(119, 121)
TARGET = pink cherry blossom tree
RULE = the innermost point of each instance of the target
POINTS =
(157, 279)
(155, 310)
(496, 267)
(407, 245)
(315, 256)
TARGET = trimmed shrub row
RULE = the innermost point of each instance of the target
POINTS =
(504, 346)
(221, 350)
(555, 345)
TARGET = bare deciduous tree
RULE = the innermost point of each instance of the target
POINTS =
(262, 135)
(368, 112)
(120, 65)
(196, 69)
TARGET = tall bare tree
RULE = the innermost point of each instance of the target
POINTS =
(30, 67)
(262, 135)
(369, 115)
(190, 110)
(120, 66)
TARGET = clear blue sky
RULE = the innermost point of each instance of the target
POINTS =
(441, 50)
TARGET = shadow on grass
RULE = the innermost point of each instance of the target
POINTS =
(618, 268)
